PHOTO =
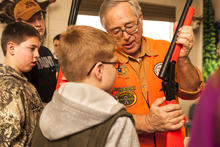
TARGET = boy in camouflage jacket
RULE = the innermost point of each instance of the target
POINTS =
(20, 104)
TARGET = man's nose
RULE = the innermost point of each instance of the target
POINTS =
(125, 35)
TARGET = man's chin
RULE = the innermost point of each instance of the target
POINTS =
(130, 51)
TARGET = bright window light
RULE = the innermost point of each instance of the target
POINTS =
(158, 29)
(152, 29)
(89, 20)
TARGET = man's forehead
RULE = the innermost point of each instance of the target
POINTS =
(124, 23)
(120, 17)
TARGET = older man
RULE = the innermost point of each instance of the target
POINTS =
(137, 85)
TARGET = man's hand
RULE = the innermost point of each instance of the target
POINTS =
(188, 77)
(185, 38)
(165, 118)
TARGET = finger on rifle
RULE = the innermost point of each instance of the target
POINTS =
(177, 126)
(158, 102)
(171, 107)
(176, 120)
(176, 113)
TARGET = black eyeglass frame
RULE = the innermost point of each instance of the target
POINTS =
(103, 62)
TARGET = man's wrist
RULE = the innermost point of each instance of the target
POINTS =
(149, 125)
(142, 123)
(183, 60)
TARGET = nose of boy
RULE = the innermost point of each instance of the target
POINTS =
(36, 54)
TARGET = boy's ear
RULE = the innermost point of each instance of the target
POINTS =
(11, 48)
(98, 70)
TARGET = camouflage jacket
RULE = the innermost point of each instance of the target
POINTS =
(20, 107)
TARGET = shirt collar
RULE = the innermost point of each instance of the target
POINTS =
(146, 50)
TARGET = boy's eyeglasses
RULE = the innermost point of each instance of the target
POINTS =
(115, 64)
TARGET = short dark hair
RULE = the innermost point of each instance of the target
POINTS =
(17, 32)
(57, 37)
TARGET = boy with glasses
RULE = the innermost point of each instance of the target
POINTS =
(137, 85)
(83, 111)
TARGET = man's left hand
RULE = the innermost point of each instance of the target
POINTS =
(186, 39)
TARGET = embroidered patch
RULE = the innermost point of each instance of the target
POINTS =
(126, 96)
(123, 70)
(157, 68)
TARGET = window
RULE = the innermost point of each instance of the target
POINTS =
(152, 29)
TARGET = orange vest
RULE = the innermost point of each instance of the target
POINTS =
(60, 79)
(127, 88)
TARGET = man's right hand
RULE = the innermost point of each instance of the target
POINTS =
(164, 118)
(160, 118)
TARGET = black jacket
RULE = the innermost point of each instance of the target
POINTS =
(43, 75)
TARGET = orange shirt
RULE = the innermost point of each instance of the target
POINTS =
(138, 86)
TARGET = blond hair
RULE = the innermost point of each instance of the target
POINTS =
(81, 47)
(107, 4)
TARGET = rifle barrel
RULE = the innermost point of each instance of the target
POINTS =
(164, 68)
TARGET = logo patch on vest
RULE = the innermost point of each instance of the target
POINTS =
(157, 68)
(126, 96)
(123, 70)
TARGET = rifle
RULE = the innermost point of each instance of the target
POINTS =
(71, 21)
(167, 73)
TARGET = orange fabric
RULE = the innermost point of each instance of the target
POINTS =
(128, 84)
(134, 89)
(60, 79)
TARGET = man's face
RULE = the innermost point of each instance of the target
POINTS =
(120, 17)
(37, 21)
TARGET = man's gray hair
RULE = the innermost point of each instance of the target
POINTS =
(111, 3)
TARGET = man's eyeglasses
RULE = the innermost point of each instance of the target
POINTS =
(116, 65)
(129, 28)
